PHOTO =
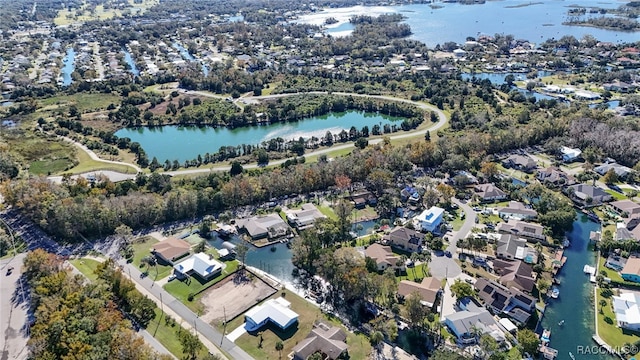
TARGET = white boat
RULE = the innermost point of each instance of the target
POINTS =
(546, 336)
(561, 323)
(571, 356)
(555, 292)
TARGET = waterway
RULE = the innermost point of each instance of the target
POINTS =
(187, 56)
(275, 262)
(575, 304)
(535, 21)
(68, 67)
(187, 142)
(132, 64)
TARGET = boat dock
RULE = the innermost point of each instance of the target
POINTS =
(591, 271)
(559, 261)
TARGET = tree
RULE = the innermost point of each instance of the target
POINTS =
(200, 247)
(414, 310)
(242, 249)
(488, 344)
(361, 143)
(610, 177)
(430, 198)
(376, 339)
(279, 347)
(489, 170)
(191, 345)
(543, 286)
(343, 211)
(529, 341)
(461, 289)
(236, 168)
(446, 192)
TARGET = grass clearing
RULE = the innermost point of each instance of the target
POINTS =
(611, 333)
(328, 212)
(85, 102)
(86, 164)
(359, 347)
(87, 267)
(616, 195)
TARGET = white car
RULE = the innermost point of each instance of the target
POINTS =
(171, 277)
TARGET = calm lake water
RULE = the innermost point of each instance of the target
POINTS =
(68, 67)
(574, 305)
(187, 142)
(132, 64)
(535, 21)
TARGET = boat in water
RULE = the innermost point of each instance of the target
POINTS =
(555, 292)
(571, 356)
(561, 323)
(546, 336)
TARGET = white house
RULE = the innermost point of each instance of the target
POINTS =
(569, 154)
(278, 311)
(199, 264)
(627, 311)
(430, 219)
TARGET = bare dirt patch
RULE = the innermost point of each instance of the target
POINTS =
(232, 297)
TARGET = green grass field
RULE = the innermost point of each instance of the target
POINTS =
(359, 347)
(83, 101)
(87, 267)
(140, 250)
(611, 333)
(86, 164)
(616, 195)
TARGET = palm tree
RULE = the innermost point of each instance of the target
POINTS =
(376, 339)
(279, 347)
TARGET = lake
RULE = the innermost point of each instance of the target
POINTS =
(535, 21)
(68, 67)
(574, 305)
(187, 142)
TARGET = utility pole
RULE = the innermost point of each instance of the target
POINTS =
(224, 328)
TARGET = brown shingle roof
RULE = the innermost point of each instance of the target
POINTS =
(171, 248)
(632, 266)
(427, 289)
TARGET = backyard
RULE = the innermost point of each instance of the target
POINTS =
(308, 313)
(142, 249)
(607, 328)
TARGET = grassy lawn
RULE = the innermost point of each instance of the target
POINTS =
(166, 332)
(416, 273)
(331, 154)
(367, 213)
(457, 222)
(610, 333)
(616, 195)
(328, 212)
(46, 167)
(182, 289)
(86, 164)
(359, 347)
(83, 101)
(141, 249)
(87, 267)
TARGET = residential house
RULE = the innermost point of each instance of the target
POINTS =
(516, 274)
(501, 300)
(430, 220)
(554, 176)
(619, 86)
(429, 290)
(627, 310)
(622, 233)
(465, 324)
(410, 194)
(171, 249)
(269, 226)
(517, 210)
(626, 208)
(362, 199)
(569, 154)
(527, 230)
(511, 247)
(520, 162)
(489, 192)
(199, 264)
(631, 270)
(277, 311)
(305, 217)
(620, 170)
(588, 195)
(383, 256)
(405, 239)
(330, 341)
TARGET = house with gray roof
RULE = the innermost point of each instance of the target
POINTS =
(489, 192)
(268, 226)
(588, 195)
(620, 170)
(515, 274)
(520, 162)
(330, 341)
(527, 230)
(404, 238)
(502, 300)
(517, 210)
(472, 317)
(511, 247)
(199, 264)
(626, 208)
(429, 289)
(304, 217)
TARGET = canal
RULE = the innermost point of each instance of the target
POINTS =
(575, 303)
(68, 66)
(187, 142)
(132, 64)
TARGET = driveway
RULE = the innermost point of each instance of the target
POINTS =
(13, 307)
(445, 267)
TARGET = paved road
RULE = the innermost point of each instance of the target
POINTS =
(13, 311)
(95, 157)
(442, 120)
(113, 176)
(445, 267)
(188, 316)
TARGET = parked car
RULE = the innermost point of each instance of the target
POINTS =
(172, 277)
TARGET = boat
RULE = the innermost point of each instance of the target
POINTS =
(555, 292)
(571, 356)
(566, 243)
(546, 336)
(561, 323)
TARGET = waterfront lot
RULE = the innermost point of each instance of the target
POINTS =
(308, 313)
(232, 297)
(610, 332)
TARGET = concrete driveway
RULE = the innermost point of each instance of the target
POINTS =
(445, 267)
(13, 310)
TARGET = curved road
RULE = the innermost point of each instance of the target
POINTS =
(442, 120)
(95, 156)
